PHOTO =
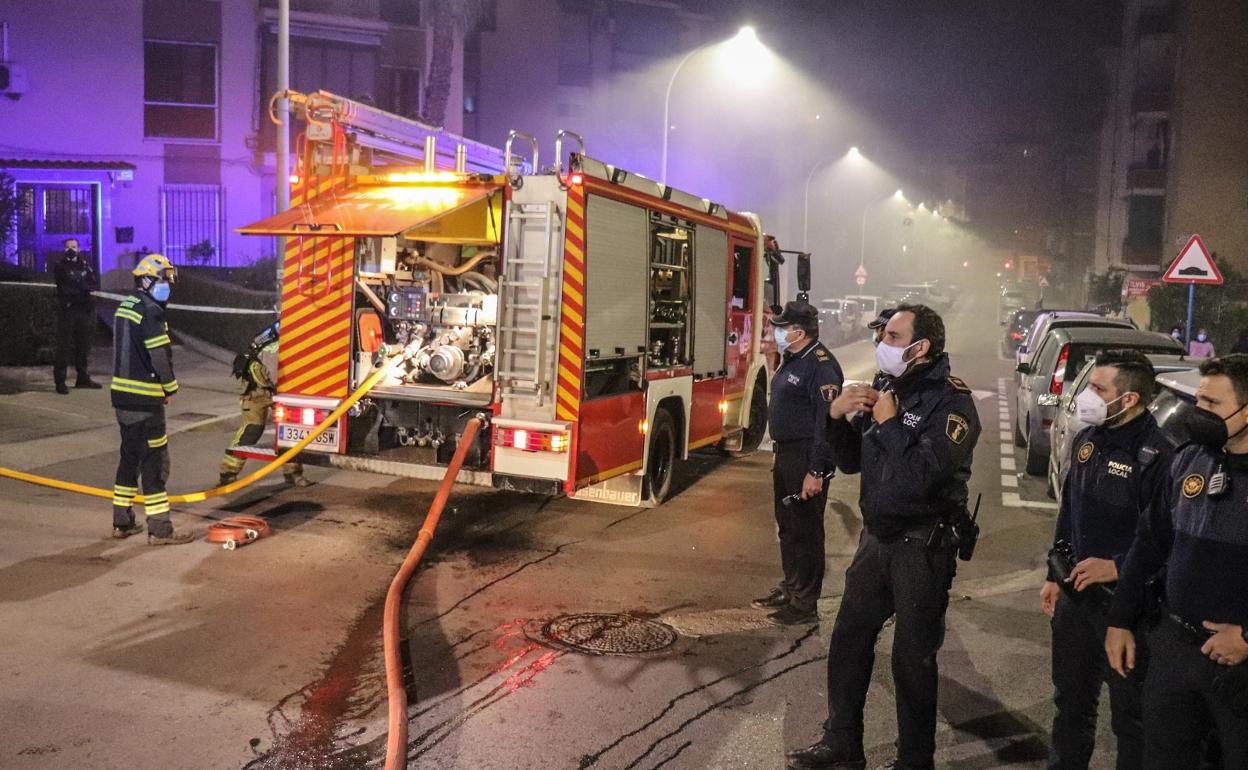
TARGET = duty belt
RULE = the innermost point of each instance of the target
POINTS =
(1192, 632)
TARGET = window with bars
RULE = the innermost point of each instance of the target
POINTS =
(192, 223)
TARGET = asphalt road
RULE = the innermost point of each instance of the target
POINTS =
(119, 655)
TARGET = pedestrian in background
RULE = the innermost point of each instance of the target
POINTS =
(807, 380)
(143, 384)
(1117, 465)
(256, 380)
(913, 446)
(1196, 527)
(1201, 347)
(75, 317)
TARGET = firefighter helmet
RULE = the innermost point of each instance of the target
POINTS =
(156, 266)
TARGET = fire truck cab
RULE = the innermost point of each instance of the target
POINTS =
(603, 323)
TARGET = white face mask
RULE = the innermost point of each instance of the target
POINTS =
(782, 338)
(1093, 409)
(891, 360)
(1202, 337)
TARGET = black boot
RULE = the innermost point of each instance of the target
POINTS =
(821, 756)
(62, 389)
(85, 381)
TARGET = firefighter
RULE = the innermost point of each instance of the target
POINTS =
(808, 379)
(1116, 468)
(75, 317)
(143, 384)
(254, 403)
(1197, 528)
(913, 445)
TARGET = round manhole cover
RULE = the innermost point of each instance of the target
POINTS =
(608, 634)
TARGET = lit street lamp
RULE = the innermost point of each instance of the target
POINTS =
(746, 38)
(853, 153)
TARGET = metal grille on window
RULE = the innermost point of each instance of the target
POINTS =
(192, 223)
(67, 210)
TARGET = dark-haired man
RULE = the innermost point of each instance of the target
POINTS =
(913, 446)
(1116, 466)
(806, 381)
(1197, 527)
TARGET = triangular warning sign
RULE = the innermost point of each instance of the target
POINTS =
(1193, 265)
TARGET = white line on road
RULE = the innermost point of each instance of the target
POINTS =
(1005, 436)
(1007, 464)
(1009, 480)
(1012, 500)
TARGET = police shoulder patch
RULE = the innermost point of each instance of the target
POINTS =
(1193, 485)
(958, 384)
(1085, 451)
(830, 391)
(956, 427)
(822, 355)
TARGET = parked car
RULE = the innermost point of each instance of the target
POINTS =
(1016, 330)
(1011, 299)
(1047, 320)
(1061, 356)
(1066, 424)
(929, 293)
(869, 307)
(838, 321)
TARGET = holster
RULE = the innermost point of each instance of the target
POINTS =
(1061, 561)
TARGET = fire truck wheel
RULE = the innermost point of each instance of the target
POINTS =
(752, 436)
(662, 459)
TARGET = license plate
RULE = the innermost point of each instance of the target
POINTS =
(289, 435)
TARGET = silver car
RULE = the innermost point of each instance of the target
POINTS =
(1061, 356)
(1057, 319)
(1066, 424)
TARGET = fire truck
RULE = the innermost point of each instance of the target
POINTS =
(604, 324)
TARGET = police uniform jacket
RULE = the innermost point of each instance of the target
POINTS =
(1114, 473)
(74, 281)
(804, 385)
(1197, 528)
(915, 467)
(142, 354)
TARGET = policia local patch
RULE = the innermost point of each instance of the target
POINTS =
(956, 428)
(1193, 485)
(1085, 452)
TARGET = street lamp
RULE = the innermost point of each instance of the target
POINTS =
(853, 153)
(746, 39)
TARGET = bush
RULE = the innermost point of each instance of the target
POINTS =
(28, 317)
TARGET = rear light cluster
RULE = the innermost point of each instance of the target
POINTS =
(1016, 336)
(531, 440)
(1059, 374)
(297, 415)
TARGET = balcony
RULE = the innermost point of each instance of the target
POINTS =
(1142, 177)
(1153, 101)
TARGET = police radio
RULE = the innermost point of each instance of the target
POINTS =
(967, 531)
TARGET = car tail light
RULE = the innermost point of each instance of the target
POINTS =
(1016, 336)
(531, 440)
(299, 415)
(1059, 374)
(279, 413)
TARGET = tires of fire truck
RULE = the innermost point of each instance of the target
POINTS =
(661, 462)
(756, 427)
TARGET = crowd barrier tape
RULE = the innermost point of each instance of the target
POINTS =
(172, 305)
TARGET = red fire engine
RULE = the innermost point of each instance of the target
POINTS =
(605, 324)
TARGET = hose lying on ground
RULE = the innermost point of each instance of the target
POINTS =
(234, 486)
(396, 740)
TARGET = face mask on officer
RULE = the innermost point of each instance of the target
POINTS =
(892, 360)
(785, 338)
(1208, 428)
(1094, 410)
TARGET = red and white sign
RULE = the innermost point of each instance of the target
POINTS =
(1044, 282)
(860, 276)
(1138, 287)
(1193, 265)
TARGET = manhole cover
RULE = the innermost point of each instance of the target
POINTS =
(608, 634)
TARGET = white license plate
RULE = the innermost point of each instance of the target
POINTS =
(289, 435)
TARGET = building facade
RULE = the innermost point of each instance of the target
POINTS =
(144, 125)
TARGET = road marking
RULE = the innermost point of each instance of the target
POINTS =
(1005, 436)
(1009, 480)
(1012, 500)
(1007, 464)
(980, 395)
(1005, 426)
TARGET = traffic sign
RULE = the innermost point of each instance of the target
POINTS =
(860, 280)
(1044, 282)
(1193, 265)
(861, 272)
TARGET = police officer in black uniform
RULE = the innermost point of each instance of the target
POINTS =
(1197, 528)
(808, 379)
(1116, 469)
(913, 444)
(75, 317)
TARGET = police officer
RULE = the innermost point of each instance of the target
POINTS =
(1197, 528)
(913, 446)
(806, 381)
(254, 403)
(1116, 468)
(143, 383)
(877, 324)
(75, 317)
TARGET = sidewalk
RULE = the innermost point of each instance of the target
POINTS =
(39, 427)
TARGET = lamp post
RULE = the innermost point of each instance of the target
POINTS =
(862, 243)
(744, 35)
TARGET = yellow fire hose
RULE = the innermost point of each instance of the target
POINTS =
(234, 486)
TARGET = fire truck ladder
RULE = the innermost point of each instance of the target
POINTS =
(526, 339)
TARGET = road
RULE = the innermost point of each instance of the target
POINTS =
(121, 656)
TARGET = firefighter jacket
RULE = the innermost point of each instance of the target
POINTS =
(74, 281)
(142, 354)
(915, 467)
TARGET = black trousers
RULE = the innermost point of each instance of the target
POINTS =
(1180, 706)
(145, 456)
(1079, 666)
(74, 329)
(800, 526)
(903, 577)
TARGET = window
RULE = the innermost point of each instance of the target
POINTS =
(192, 223)
(346, 69)
(179, 90)
(742, 260)
(401, 12)
(398, 91)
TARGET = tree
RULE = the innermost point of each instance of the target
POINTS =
(1220, 309)
(451, 18)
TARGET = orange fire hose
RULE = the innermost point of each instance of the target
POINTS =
(236, 531)
(396, 740)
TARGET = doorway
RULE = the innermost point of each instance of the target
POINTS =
(48, 214)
